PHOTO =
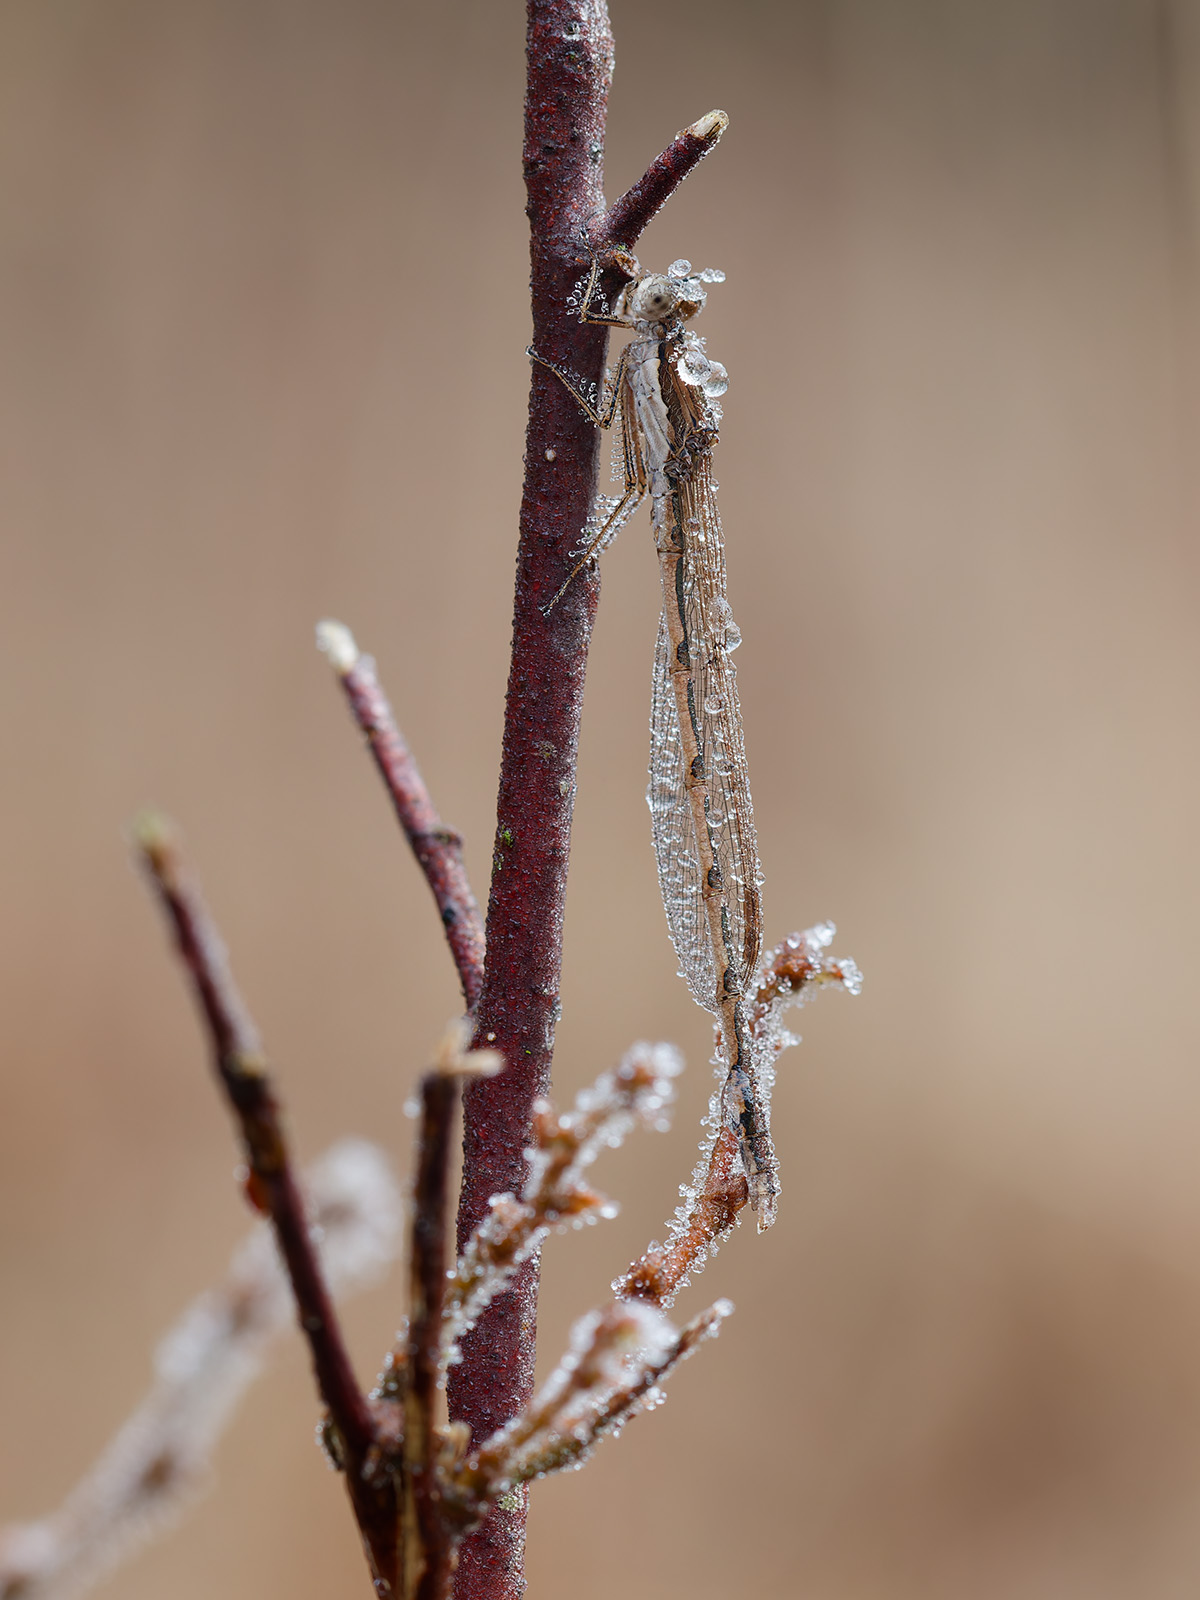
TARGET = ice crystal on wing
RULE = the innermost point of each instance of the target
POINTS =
(679, 269)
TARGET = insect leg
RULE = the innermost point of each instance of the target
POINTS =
(602, 419)
(625, 507)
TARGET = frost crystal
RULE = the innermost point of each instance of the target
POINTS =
(555, 1196)
(612, 1368)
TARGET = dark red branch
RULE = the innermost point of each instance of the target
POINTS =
(569, 59)
(625, 220)
(569, 54)
(438, 849)
(273, 1187)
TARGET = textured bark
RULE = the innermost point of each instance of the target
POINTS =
(569, 55)
(569, 71)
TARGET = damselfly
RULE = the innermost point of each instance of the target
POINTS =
(664, 400)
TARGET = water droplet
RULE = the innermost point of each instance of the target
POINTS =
(679, 269)
(717, 381)
(694, 367)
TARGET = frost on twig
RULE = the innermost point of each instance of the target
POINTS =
(555, 1195)
(789, 975)
(616, 1358)
(159, 1458)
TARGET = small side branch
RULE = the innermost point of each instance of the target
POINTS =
(241, 1068)
(789, 975)
(626, 219)
(719, 1193)
(438, 849)
(428, 1544)
(616, 1360)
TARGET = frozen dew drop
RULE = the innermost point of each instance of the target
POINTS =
(679, 269)
(717, 381)
(733, 636)
(713, 703)
(711, 275)
(851, 977)
(694, 367)
(823, 934)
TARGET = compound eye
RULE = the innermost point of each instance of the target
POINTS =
(655, 297)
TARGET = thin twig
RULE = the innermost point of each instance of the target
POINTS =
(625, 220)
(426, 1551)
(616, 1358)
(428, 1543)
(241, 1068)
(721, 1193)
(438, 849)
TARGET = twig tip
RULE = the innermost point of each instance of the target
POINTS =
(710, 126)
(155, 838)
(336, 643)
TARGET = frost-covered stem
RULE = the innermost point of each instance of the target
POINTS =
(494, 1463)
(556, 1195)
(567, 1448)
(428, 1553)
(241, 1068)
(722, 1192)
(438, 849)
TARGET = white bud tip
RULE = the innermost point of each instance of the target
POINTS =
(711, 126)
(336, 643)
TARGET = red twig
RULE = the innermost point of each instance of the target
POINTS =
(569, 59)
(625, 220)
(437, 848)
(660, 1273)
(241, 1067)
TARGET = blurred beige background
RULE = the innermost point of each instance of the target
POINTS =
(263, 316)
